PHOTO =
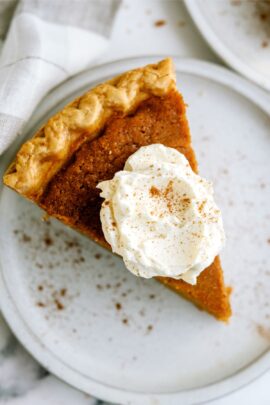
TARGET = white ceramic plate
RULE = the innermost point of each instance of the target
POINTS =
(239, 31)
(132, 341)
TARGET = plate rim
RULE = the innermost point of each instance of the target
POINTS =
(35, 346)
(221, 49)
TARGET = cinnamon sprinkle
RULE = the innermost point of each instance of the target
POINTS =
(170, 199)
(155, 192)
(201, 206)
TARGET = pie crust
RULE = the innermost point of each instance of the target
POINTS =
(42, 156)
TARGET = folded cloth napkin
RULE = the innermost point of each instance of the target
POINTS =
(47, 41)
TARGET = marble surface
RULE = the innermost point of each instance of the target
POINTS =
(22, 380)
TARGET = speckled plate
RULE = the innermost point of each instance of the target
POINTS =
(132, 341)
(239, 32)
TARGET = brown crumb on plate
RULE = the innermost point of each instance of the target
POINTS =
(181, 23)
(263, 332)
(26, 238)
(236, 2)
(48, 240)
(58, 305)
(160, 23)
(63, 292)
(118, 306)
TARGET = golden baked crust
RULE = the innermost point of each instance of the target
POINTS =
(42, 156)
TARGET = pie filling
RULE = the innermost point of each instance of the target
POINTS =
(72, 192)
(73, 197)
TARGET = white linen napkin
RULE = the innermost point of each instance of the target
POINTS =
(47, 42)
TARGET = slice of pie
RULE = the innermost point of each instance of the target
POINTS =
(90, 140)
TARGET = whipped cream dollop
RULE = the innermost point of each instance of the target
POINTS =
(160, 216)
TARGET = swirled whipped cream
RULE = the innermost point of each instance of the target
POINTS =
(160, 216)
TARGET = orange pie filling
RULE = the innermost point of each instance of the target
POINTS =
(72, 195)
(90, 140)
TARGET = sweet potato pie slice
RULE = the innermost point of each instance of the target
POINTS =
(91, 139)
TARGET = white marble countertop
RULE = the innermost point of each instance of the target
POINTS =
(22, 380)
